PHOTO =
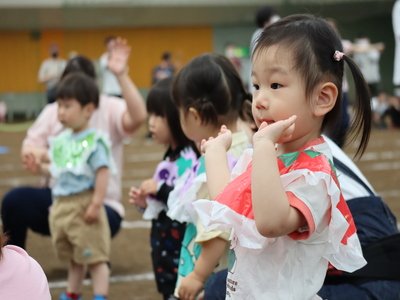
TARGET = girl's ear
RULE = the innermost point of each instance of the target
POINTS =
(326, 96)
(194, 115)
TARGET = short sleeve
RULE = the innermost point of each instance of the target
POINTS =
(100, 157)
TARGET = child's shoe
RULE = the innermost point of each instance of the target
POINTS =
(99, 297)
(65, 296)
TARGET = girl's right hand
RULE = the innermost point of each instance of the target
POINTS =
(136, 197)
(224, 139)
(278, 132)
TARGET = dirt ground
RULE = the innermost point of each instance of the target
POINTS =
(130, 260)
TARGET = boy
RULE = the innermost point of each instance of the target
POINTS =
(79, 165)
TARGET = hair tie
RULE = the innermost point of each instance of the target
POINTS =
(338, 56)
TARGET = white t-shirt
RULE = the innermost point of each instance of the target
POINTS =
(51, 68)
(110, 85)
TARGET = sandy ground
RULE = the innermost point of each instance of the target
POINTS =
(130, 260)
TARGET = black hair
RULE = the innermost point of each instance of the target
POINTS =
(159, 102)
(263, 15)
(210, 84)
(78, 86)
(166, 55)
(80, 63)
(313, 42)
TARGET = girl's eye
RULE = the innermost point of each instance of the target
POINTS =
(256, 86)
(275, 86)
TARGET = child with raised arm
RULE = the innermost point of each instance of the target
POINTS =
(79, 165)
(286, 211)
(166, 235)
(208, 92)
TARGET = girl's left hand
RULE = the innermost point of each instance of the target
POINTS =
(148, 187)
(278, 132)
(190, 287)
(224, 139)
(92, 213)
(136, 197)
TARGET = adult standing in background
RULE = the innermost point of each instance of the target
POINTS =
(109, 82)
(51, 70)
(367, 56)
(27, 207)
(396, 30)
(163, 70)
(265, 16)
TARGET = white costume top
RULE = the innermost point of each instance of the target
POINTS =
(291, 266)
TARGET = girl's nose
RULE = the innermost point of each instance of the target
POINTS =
(260, 102)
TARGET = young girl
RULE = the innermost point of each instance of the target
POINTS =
(286, 210)
(152, 195)
(208, 92)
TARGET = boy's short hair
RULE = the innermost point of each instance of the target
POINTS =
(80, 87)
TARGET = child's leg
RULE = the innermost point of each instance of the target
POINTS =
(76, 273)
(100, 274)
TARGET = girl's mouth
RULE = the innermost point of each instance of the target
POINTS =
(269, 122)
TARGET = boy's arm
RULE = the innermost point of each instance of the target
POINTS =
(100, 188)
(211, 253)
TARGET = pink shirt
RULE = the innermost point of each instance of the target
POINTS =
(21, 277)
(107, 118)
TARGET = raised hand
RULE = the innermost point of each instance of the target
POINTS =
(119, 56)
(278, 132)
(224, 139)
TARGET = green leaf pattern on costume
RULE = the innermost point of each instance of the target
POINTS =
(69, 153)
(312, 153)
(289, 158)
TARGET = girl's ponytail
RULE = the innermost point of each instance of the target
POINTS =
(362, 119)
(245, 112)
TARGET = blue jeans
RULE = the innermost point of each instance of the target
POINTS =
(26, 208)
(369, 290)
(215, 288)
